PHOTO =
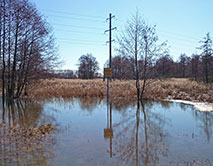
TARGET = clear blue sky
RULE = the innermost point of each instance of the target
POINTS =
(79, 25)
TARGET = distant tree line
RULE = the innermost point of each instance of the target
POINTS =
(27, 50)
(198, 67)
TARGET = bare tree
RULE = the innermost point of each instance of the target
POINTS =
(129, 44)
(26, 46)
(139, 40)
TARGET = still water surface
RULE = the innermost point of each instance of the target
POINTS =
(91, 132)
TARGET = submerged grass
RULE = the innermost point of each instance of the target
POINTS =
(174, 88)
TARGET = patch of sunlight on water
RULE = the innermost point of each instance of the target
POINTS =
(88, 131)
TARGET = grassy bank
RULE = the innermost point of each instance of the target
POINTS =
(156, 89)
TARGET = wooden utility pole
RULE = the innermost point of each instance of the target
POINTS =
(110, 50)
(110, 38)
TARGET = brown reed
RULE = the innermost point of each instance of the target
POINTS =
(174, 88)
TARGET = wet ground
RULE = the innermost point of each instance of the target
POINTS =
(88, 131)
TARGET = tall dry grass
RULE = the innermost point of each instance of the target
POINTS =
(183, 89)
(156, 89)
(81, 88)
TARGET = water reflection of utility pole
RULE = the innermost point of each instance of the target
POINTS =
(108, 132)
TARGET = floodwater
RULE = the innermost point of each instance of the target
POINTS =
(90, 132)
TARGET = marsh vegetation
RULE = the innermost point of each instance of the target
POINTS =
(173, 88)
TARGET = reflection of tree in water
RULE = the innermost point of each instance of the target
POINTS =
(66, 102)
(122, 104)
(139, 138)
(185, 107)
(22, 113)
(164, 104)
(205, 120)
(89, 104)
(17, 118)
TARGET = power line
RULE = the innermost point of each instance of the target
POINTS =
(177, 51)
(119, 20)
(178, 38)
(76, 26)
(181, 44)
(74, 14)
(66, 39)
(175, 35)
(179, 35)
(80, 32)
(175, 44)
(101, 17)
(75, 18)
(81, 43)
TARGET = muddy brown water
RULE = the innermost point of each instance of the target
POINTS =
(88, 131)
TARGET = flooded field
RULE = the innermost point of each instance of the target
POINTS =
(91, 132)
